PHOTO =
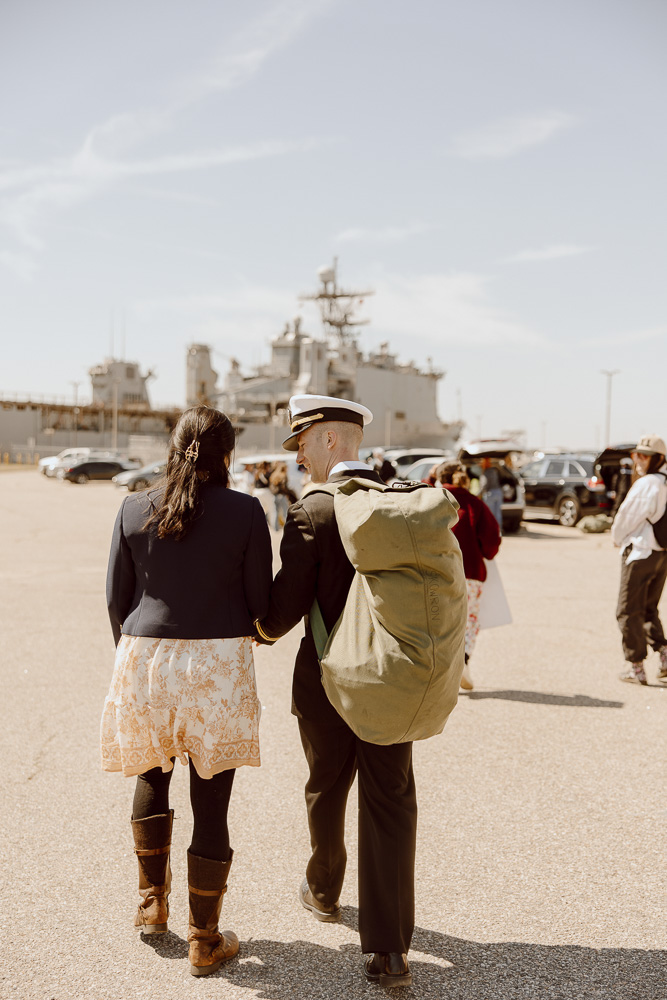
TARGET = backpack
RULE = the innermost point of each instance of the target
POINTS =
(392, 664)
(660, 526)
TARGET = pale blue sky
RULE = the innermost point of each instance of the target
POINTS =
(495, 170)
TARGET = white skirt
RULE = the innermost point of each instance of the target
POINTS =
(181, 698)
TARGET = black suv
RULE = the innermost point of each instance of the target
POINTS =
(564, 487)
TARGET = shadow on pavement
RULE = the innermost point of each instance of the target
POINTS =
(568, 533)
(453, 968)
(167, 945)
(541, 698)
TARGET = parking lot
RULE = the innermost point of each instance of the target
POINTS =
(541, 850)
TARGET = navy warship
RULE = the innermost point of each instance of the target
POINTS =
(402, 397)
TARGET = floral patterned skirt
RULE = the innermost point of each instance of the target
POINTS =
(181, 698)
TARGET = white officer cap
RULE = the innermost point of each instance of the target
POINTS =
(307, 410)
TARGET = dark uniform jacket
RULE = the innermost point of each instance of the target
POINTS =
(210, 585)
(314, 564)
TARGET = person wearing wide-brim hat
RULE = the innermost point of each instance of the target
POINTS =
(326, 432)
(644, 562)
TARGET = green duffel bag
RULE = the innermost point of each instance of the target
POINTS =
(392, 664)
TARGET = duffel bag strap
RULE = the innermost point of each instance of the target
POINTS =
(318, 628)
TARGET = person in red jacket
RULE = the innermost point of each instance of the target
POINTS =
(478, 535)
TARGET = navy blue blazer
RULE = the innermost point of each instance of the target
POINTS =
(210, 585)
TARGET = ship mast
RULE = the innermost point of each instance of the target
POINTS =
(337, 305)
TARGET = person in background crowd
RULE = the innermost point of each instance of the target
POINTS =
(621, 484)
(491, 490)
(385, 469)
(643, 561)
(189, 571)
(282, 494)
(262, 491)
(478, 535)
(247, 479)
(432, 476)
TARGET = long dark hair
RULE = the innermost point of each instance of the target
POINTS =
(654, 464)
(199, 452)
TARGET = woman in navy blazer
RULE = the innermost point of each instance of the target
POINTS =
(189, 572)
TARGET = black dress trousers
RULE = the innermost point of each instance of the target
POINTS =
(387, 829)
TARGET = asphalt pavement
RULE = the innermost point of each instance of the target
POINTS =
(542, 824)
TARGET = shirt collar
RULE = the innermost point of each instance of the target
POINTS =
(350, 466)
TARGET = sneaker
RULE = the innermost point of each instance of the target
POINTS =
(466, 679)
(662, 672)
(634, 674)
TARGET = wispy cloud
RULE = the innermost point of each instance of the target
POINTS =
(549, 253)
(174, 197)
(250, 48)
(508, 136)
(387, 234)
(625, 339)
(240, 318)
(21, 264)
(447, 308)
(30, 193)
(63, 184)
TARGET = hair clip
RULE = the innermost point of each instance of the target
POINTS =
(192, 452)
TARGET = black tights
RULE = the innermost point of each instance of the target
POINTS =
(209, 798)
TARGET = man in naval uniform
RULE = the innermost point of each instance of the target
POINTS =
(326, 432)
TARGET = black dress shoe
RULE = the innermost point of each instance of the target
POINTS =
(388, 969)
(328, 914)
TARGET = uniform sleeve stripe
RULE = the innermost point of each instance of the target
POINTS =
(263, 633)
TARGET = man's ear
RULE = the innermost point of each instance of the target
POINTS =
(331, 439)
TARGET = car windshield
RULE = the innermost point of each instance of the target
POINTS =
(534, 469)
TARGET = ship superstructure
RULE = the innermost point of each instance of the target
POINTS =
(119, 383)
(119, 414)
(403, 397)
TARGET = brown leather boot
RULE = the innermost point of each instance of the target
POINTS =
(207, 884)
(152, 842)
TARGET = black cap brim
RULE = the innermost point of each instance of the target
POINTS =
(290, 443)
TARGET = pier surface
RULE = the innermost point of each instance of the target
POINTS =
(543, 815)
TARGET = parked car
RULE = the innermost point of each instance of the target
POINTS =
(140, 479)
(512, 487)
(96, 468)
(53, 463)
(418, 471)
(614, 466)
(564, 487)
(403, 458)
(511, 483)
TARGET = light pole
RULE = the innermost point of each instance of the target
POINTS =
(114, 416)
(609, 376)
(76, 410)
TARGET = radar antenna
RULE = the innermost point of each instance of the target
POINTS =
(337, 305)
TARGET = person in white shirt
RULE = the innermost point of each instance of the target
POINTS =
(644, 562)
